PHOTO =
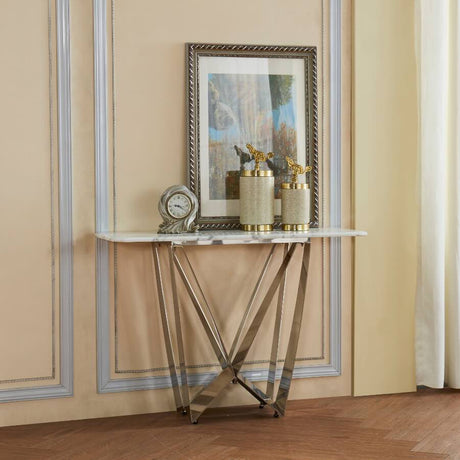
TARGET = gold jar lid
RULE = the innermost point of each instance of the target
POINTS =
(255, 173)
(292, 186)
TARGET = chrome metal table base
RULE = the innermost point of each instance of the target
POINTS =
(232, 362)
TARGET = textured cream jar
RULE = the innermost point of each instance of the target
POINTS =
(295, 206)
(257, 191)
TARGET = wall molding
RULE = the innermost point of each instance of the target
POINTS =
(65, 387)
(335, 111)
(105, 383)
(156, 383)
(102, 198)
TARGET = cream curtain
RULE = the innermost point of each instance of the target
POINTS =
(438, 282)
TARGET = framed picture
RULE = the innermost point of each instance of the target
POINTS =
(239, 94)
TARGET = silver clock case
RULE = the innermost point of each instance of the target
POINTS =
(173, 224)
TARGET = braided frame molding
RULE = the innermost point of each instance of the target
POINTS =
(193, 52)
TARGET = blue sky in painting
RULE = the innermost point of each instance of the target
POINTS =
(285, 114)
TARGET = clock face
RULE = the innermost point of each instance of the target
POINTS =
(179, 206)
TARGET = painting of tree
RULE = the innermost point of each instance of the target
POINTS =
(254, 108)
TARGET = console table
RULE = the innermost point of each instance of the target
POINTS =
(230, 361)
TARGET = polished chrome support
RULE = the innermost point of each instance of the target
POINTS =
(246, 344)
(203, 398)
(213, 336)
(165, 324)
(251, 301)
(207, 309)
(255, 391)
(207, 395)
(231, 369)
(288, 369)
(180, 341)
(276, 334)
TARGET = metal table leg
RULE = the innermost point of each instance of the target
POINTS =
(246, 344)
(231, 368)
(166, 331)
(229, 371)
(276, 334)
(180, 341)
(202, 401)
(279, 406)
(288, 369)
(208, 323)
(251, 301)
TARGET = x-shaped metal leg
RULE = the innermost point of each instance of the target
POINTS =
(231, 363)
(279, 405)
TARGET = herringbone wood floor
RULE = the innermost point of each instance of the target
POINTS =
(424, 425)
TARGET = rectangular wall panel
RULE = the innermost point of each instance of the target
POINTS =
(138, 341)
(146, 153)
(28, 195)
(149, 155)
(36, 273)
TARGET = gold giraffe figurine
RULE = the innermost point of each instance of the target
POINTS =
(258, 156)
(297, 169)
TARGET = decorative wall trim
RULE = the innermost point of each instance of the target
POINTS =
(105, 383)
(65, 388)
(102, 203)
(51, 107)
(335, 332)
(156, 383)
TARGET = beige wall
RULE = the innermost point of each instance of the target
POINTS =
(385, 136)
(297, 23)
(28, 159)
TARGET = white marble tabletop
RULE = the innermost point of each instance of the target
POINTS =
(219, 237)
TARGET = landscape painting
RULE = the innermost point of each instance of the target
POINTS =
(259, 109)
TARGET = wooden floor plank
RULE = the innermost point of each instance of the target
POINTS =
(423, 425)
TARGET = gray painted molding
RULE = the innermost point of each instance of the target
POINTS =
(105, 383)
(155, 383)
(65, 388)
(335, 332)
(102, 199)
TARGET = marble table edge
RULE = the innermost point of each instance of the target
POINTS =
(228, 236)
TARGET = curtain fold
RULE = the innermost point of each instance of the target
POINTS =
(437, 314)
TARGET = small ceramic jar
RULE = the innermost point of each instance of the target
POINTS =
(257, 190)
(295, 206)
